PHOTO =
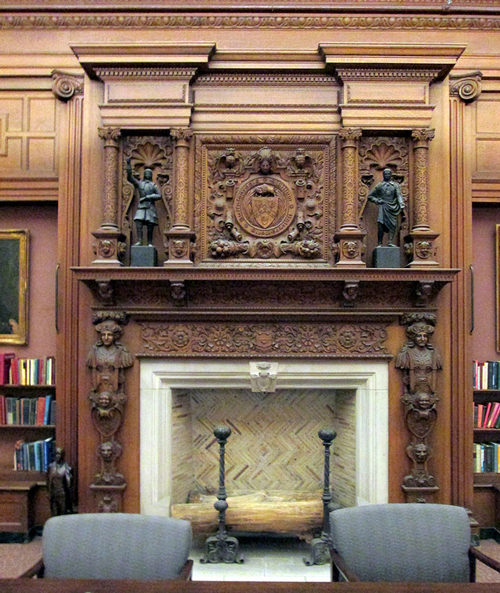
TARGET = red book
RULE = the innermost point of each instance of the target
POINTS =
(494, 415)
(479, 415)
(5, 362)
(14, 372)
(486, 415)
(40, 410)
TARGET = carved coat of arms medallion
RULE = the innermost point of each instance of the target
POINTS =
(264, 206)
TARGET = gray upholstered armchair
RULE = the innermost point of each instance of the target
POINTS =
(403, 542)
(116, 546)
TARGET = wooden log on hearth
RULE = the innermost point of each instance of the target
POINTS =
(257, 513)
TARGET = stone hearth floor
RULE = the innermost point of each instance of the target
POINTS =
(281, 559)
(265, 559)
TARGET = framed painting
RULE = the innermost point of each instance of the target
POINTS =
(14, 248)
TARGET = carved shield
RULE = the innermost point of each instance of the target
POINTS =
(264, 209)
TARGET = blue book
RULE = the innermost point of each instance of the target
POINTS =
(48, 401)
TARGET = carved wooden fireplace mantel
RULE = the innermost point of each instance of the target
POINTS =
(265, 230)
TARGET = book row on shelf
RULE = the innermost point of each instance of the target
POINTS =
(486, 375)
(486, 458)
(487, 415)
(28, 411)
(27, 371)
(34, 456)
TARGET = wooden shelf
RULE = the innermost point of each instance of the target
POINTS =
(28, 426)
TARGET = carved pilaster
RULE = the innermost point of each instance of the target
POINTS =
(66, 85)
(107, 360)
(419, 244)
(349, 239)
(180, 236)
(420, 362)
(109, 247)
(467, 86)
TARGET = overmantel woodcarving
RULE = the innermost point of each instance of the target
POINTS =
(264, 198)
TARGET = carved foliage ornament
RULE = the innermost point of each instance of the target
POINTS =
(249, 339)
(264, 202)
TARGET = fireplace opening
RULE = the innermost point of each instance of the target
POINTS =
(274, 460)
(274, 457)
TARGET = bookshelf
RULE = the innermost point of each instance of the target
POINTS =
(27, 444)
(486, 397)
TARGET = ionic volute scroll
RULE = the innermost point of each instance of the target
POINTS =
(66, 85)
(420, 363)
(107, 360)
(466, 86)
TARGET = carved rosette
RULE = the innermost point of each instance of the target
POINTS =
(419, 362)
(109, 247)
(107, 360)
(349, 240)
(180, 236)
(65, 85)
(264, 202)
(419, 244)
(335, 340)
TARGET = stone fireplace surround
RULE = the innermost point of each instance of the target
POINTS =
(159, 378)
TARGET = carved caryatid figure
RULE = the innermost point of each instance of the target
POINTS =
(108, 358)
(418, 359)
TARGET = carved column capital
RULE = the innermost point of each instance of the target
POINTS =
(422, 136)
(66, 85)
(110, 135)
(349, 136)
(182, 135)
(466, 87)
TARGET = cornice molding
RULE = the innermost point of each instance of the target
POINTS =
(130, 20)
(440, 6)
(138, 72)
(265, 79)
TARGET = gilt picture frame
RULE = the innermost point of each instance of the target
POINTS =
(14, 268)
